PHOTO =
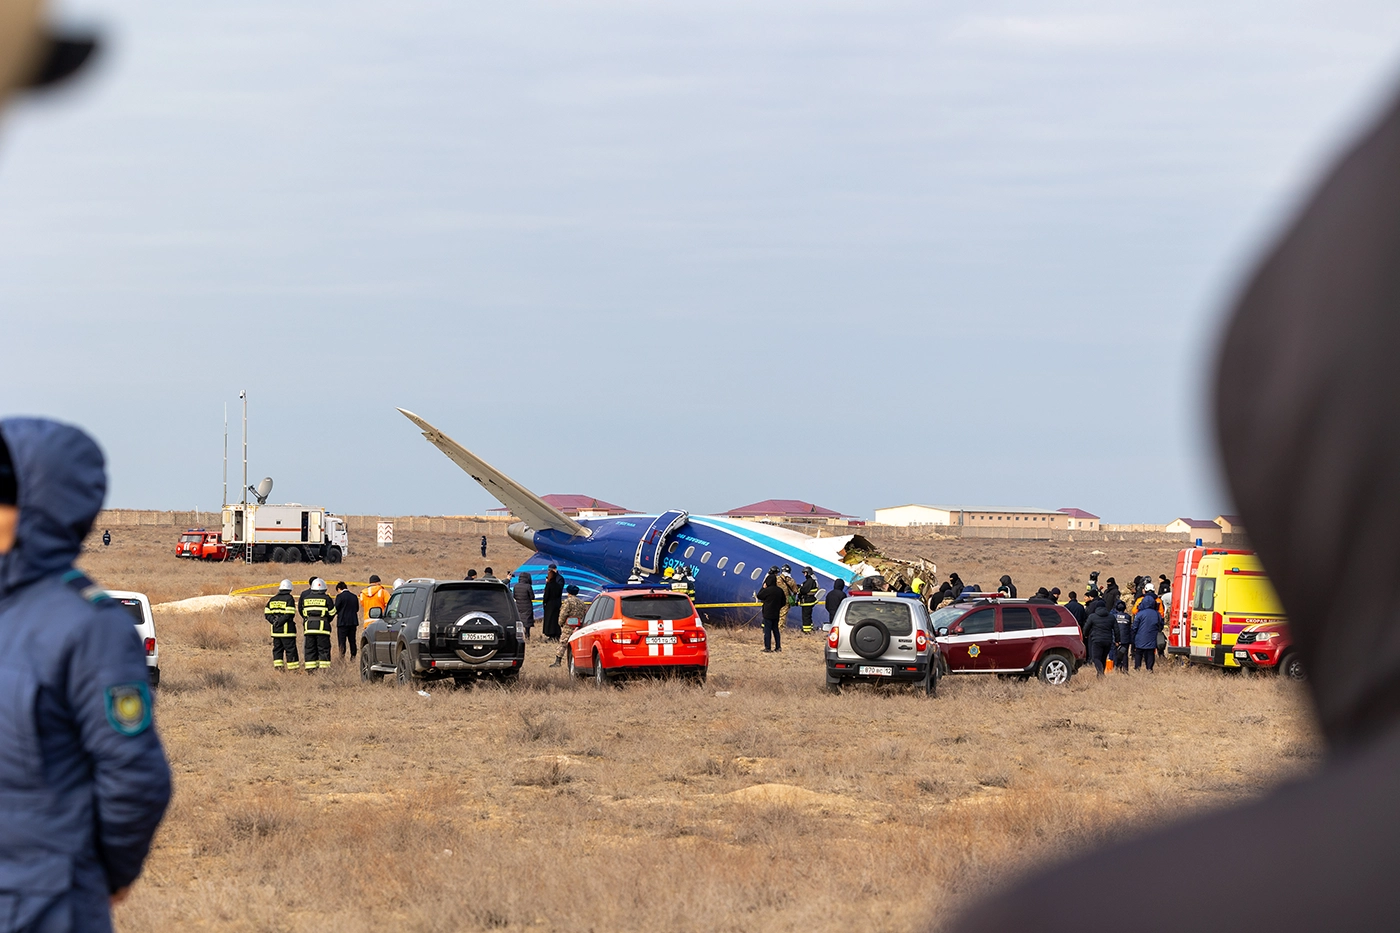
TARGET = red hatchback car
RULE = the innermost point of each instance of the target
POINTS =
(1009, 636)
(639, 630)
(1269, 646)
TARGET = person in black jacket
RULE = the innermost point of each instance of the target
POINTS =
(1098, 636)
(1111, 593)
(774, 599)
(834, 599)
(1122, 636)
(1042, 596)
(551, 599)
(1007, 588)
(1077, 609)
(347, 618)
(524, 593)
(807, 597)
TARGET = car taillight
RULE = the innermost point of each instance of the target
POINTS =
(696, 638)
(833, 639)
(1215, 625)
(425, 630)
(624, 638)
(150, 646)
(921, 640)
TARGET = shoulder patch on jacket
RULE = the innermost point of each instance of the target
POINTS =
(129, 708)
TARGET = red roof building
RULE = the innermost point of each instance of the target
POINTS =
(1080, 520)
(586, 506)
(786, 510)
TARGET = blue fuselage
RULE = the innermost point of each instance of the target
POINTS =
(726, 559)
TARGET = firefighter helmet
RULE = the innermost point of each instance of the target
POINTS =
(318, 585)
(285, 585)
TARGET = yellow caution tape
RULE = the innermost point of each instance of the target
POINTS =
(725, 605)
(274, 586)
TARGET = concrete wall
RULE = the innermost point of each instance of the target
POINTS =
(358, 526)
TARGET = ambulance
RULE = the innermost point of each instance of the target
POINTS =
(1178, 621)
(1230, 592)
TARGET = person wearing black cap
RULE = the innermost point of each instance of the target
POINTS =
(83, 778)
(551, 600)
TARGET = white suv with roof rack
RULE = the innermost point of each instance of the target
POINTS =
(882, 639)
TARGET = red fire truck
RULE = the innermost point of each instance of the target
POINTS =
(200, 544)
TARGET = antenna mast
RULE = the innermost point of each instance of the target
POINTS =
(225, 453)
(244, 397)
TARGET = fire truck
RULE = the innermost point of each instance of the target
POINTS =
(289, 533)
(201, 544)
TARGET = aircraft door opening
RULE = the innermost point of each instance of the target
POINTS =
(650, 548)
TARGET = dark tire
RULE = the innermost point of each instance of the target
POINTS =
(1055, 669)
(1292, 667)
(930, 682)
(279, 555)
(601, 677)
(333, 555)
(508, 679)
(570, 666)
(403, 671)
(293, 555)
(700, 676)
(833, 686)
(870, 638)
(154, 674)
(367, 673)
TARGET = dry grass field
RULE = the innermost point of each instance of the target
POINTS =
(756, 802)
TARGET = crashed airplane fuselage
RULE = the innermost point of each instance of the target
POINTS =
(726, 559)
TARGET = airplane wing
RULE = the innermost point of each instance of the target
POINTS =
(522, 503)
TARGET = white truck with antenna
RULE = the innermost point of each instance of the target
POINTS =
(292, 533)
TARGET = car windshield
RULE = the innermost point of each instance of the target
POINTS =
(945, 617)
(453, 601)
(133, 606)
(895, 615)
(189, 537)
(664, 608)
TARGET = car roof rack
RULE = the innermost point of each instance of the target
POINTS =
(420, 580)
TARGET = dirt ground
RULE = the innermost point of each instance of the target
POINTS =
(759, 801)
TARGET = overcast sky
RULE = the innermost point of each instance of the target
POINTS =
(682, 254)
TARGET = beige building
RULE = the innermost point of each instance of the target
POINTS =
(914, 514)
(1208, 532)
(1230, 524)
(1080, 520)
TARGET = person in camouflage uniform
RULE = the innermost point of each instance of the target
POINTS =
(571, 613)
(789, 587)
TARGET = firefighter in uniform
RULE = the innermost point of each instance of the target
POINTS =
(281, 614)
(317, 610)
(807, 598)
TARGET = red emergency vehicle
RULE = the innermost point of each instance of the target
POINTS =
(1183, 585)
(199, 544)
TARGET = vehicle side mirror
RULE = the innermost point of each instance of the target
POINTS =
(375, 612)
(942, 630)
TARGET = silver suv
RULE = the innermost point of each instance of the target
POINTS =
(881, 639)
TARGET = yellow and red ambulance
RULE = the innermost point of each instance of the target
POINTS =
(1222, 592)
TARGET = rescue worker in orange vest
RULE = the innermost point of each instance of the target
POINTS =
(317, 609)
(376, 594)
(281, 614)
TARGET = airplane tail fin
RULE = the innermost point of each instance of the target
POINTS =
(522, 503)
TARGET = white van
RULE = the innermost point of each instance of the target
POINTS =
(140, 608)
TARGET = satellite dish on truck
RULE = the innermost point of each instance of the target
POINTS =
(263, 490)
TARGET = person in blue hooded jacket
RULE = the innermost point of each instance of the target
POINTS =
(83, 778)
(1146, 624)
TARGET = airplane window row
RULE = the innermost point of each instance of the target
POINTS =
(720, 565)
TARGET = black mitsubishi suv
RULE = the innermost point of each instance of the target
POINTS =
(434, 629)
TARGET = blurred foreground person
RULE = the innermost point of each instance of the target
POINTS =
(317, 609)
(347, 618)
(1307, 409)
(281, 615)
(31, 55)
(83, 778)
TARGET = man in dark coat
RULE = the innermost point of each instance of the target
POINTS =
(347, 619)
(1146, 624)
(1007, 588)
(1122, 636)
(774, 600)
(524, 594)
(483, 547)
(834, 598)
(1076, 609)
(1042, 596)
(1306, 410)
(551, 600)
(1098, 637)
(83, 778)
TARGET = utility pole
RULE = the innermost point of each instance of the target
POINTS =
(244, 397)
(225, 453)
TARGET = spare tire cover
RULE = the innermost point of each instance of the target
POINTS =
(870, 638)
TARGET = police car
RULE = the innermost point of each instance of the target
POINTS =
(992, 635)
(140, 609)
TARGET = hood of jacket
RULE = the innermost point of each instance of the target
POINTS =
(62, 480)
(1308, 410)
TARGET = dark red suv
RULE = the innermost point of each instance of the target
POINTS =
(1269, 646)
(989, 635)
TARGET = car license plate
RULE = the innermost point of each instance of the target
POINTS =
(476, 636)
(1242, 655)
(867, 670)
(663, 639)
